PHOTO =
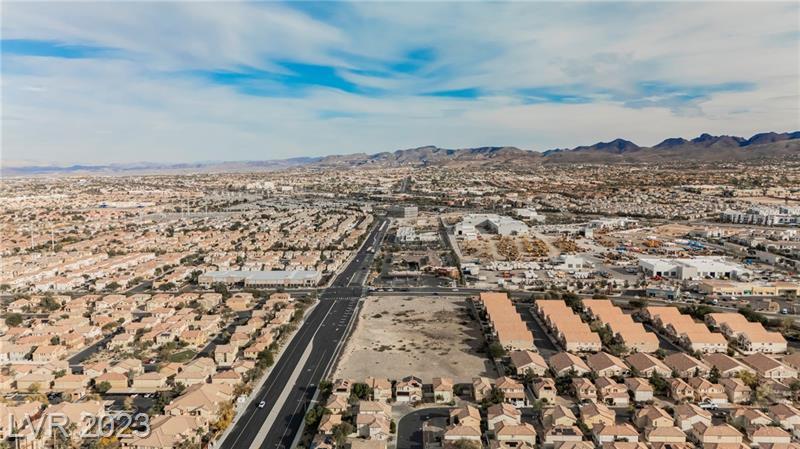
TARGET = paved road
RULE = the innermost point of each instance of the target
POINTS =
(409, 429)
(305, 360)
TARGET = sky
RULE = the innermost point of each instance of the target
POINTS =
(183, 81)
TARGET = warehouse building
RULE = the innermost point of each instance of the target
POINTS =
(704, 267)
(260, 279)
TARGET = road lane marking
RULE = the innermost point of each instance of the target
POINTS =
(276, 408)
(266, 387)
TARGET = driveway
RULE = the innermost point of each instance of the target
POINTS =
(409, 429)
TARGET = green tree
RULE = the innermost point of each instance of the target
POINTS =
(361, 391)
(713, 375)
(496, 350)
(466, 444)
(103, 387)
(340, 433)
(13, 319)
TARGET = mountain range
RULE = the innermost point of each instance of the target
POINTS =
(704, 148)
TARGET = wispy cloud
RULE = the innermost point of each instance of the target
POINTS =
(189, 80)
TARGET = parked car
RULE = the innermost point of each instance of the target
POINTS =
(708, 406)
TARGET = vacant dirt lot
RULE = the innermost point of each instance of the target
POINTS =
(428, 337)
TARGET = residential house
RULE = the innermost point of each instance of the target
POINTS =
(225, 355)
(766, 436)
(687, 415)
(168, 432)
(373, 426)
(505, 413)
(558, 416)
(611, 392)
(229, 377)
(679, 390)
(609, 433)
(467, 415)
(750, 417)
(664, 435)
(442, 390)
(149, 382)
(513, 391)
(202, 400)
(705, 391)
(342, 387)
(705, 434)
(381, 388)
(645, 365)
(481, 388)
(769, 368)
(686, 366)
(568, 364)
(736, 390)
(409, 389)
(787, 416)
(606, 365)
(455, 433)
(565, 437)
(118, 382)
(652, 416)
(70, 382)
(595, 413)
(337, 404)
(544, 388)
(525, 361)
(515, 435)
(328, 422)
(640, 389)
(726, 365)
(584, 389)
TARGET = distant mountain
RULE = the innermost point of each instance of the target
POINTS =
(431, 155)
(616, 146)
(28, 168)
(704, 148)
(671, 143)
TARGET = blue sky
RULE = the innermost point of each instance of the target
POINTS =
(98, 82)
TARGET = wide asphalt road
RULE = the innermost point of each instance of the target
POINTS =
(306, 359)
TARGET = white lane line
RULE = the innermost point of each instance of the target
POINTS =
(276, 408)
(301, 402)
(277, 375)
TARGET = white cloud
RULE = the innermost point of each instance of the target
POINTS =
(139, 107)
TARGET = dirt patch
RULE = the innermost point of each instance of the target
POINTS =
(425, 336)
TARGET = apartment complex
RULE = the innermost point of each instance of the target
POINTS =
(508, 327)
(683, 328)
(574, 334)
(630, 333)
(750, 337)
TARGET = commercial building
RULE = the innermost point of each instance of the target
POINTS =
(731, 288)
(259, 279)
(406, 234)
(765, 216)
(404, 211)
(703, 267)
(471, 225)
